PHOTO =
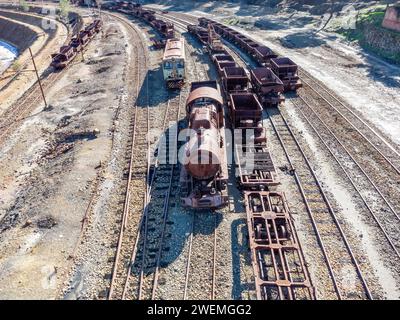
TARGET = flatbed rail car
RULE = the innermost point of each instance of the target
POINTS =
(255, 168)
(277, 259)
(204, 175)
(174, 63)
(267, 86)
(246, 115)
(200, 33)
(165, 28)
(287, 71)
(214, 44)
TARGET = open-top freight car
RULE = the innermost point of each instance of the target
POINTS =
(235, 79)
(68, 52)
(283, 67)
(203, 22)
(204, 175)
(165, 28)
(63, 58)
(246, 115)
(221, 61)
(287, 71)
(267, 86)
(199, 32)
(263, 55)
(84, 38)
(245, 108)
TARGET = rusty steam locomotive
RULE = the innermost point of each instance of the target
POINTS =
(204, 174)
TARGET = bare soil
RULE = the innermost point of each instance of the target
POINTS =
(51, 166)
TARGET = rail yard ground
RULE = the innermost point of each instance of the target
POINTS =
(87, 212)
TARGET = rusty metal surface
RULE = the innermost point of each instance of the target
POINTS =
(256, 170)
(205, 173)
(267, 85)
(278, 263)
(287, 71)
(205, 92)
(174, 48)
(67, 53)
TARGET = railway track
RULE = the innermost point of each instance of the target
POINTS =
(330, 234)
(203, 285)
(143, 279)
(22, 108)
(374, 139)
(72, 29)
(30, 100)
(376, 142)
(372, 197)
(379, 169)
(137, 276)
(202, 254)
(201, 246)
(137, 171)
(340, 258)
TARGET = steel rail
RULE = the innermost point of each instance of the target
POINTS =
(347, 245)
(19, 110)
(358, 118)
(165, 209)
(125, 213)
(341, 114)
(329, 206)
(388, 238)
(188, 262)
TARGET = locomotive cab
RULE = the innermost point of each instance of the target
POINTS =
(174, 63)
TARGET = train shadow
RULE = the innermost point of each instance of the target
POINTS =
(153, 90)
(177, 237)
(240, 255)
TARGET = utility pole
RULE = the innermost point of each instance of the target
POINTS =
(81, 44)
(38, 78)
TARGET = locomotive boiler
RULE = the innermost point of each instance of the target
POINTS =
(204, 172)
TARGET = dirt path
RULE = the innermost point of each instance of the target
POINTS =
(50, 166)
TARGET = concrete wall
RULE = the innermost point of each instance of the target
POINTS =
(21, 29)
(19, 35)
(392, 19)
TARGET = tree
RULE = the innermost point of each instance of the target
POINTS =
(24, 5)
(64, 9)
